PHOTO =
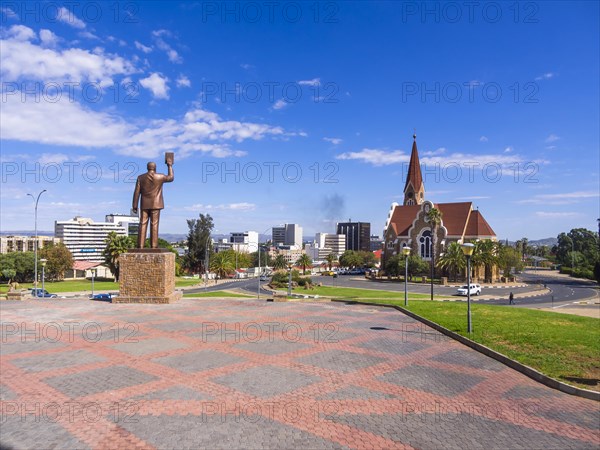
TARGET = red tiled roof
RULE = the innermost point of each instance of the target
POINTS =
(403, 217)
(454, 216)
(84, 265)
(414, 169)
(478, 226)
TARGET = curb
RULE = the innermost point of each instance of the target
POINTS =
(525, 370)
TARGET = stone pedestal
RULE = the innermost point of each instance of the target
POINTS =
(147, 276)
(15, 295)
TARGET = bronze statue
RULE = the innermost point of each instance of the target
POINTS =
(149, 186)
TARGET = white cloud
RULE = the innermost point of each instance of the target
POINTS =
(88, 35)
(483, 139)
(473, 197)
(157, 84)
(59, 158)
(439, 151)
(376, 157)
(48, 38)
(280, 104)
(566, 198)
(552, 138)
(334, 141)
(22, 59)
(508, 149)
(545, 76)
(142, 47)
(66, 16)
(314, 82)
(557, 215)
(183, 81)
(162, 45)
(247, 66)
(9, 13)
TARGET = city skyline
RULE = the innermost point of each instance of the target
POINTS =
(308, 120)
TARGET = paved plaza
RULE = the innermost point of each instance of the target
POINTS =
(234, 374)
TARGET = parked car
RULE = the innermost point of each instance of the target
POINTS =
(265, 278)
(475, 289)
(102, 296)
(42, 293)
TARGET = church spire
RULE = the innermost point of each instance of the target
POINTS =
(414, 190)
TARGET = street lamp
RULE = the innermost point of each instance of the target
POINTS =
(468, 251)
(206, 262)
(35, 244)
(259, 270)
(405, 252)
(43, 263)
(289, 280)
(93, 276)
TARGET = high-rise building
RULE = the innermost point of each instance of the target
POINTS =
(358, 235)
(376, 243)
(85, 238)
(244, 241)
(10, 244)
(324, 244)
(288, 234)
(130, 222)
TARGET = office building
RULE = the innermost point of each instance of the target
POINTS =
(85, 238)
(244, 241)
(10, 244)
(358, 235)
(288, 234)
(129, 222)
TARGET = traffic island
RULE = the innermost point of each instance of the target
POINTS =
(147, 275)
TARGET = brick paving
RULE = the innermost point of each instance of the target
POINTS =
(245, 374)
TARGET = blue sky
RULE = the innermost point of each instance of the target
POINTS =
(302, 112)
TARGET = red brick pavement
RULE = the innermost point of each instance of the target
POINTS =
(412, 387)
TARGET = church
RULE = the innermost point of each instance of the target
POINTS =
(407, 224)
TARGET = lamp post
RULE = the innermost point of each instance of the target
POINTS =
(405, 252)
(43, 263)
(259, 270)
(206, 261)
(289, 280)
(432, 265)
(468, 251)
(35, 244)
(93, 276)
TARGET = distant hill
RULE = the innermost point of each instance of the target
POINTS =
(549, 242)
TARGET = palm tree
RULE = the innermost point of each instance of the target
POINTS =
(485, 254)
(434, 217)
(453, 259)
(116, 245)
(331, 258)
(279, 262)
(222, 263)
(304, 261)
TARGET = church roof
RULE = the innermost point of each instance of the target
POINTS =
(414, 175)
(459, 219)
(478, 226)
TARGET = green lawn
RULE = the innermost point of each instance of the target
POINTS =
(224, 294)
(357, 294)
(86, 285)
(562, 346)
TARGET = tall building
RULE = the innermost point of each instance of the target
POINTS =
(130, 222)
(288, 234)
(358, 235)
(10, 244)
(244, 241)
(408, 225)
(85, 238)
(324, 244)
(376, 243)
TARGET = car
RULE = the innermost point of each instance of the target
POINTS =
(474, 290)
(264, 278)
(42, 293)
(328, 273)
(105, 296)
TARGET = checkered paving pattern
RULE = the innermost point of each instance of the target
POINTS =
(246, 374)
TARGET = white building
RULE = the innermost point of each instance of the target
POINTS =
(244, 241)
(289, 234)
(10, 244)
(85, 238)
(129, 222)
(324, 244)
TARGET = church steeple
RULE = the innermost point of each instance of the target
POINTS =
(414, 190)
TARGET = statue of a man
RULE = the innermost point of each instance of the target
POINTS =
(149, 187)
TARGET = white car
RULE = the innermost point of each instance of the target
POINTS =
(474, 290)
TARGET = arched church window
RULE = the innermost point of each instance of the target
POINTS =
(425, 244)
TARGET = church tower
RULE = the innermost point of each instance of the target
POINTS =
(414, 189)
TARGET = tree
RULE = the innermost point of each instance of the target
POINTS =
(453, 260)
(59, 259)
(279, 263)
(116, 245)
(265, 258)
(508, 258)
(485, 254)
(331, 259)
(22, 263)
(223, 263)
(434, 217)
(350, 258)
(304, 261)
(416, 266)
(197, 242)
(368, 259)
